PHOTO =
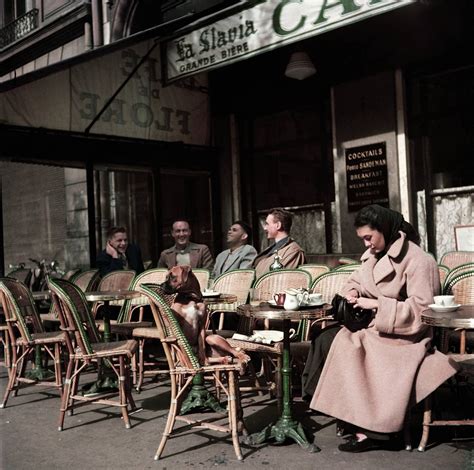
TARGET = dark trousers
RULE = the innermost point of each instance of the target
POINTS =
(317, 355)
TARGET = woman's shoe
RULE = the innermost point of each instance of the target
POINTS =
(355, 446)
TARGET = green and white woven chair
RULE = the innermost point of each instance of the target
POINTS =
(187, 375)
(454, 272)
(236, 282)
(202, 276)
(85, 348)
(314, 269)
(86, 280)
(27, 339)
(451, 259)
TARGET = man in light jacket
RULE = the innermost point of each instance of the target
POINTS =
(240, 254)
(277, 227)
(185, 252)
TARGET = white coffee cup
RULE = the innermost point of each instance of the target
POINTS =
(444, 300)
(315, 299)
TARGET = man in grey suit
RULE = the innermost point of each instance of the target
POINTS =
(240, 254)
(184, 251)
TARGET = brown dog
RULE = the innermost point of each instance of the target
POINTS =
(192, 316)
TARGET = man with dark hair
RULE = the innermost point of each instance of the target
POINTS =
(119, 254)
(277, 227)
(185, 252)
(240, 254)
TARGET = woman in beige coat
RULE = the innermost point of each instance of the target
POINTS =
(372, 376)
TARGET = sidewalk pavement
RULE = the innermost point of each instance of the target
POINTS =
(95, 437)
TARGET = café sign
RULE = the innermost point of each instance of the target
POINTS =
(265, 26)
(366, 176)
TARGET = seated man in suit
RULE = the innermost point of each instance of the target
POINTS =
(185, 252)
(277, 227)
(240, 254)
(119, 254)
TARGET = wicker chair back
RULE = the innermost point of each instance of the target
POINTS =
(74, 313)
(278, 281)
(330, 284)
(452, 259)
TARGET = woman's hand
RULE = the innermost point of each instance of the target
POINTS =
(364, 302)
(352, 296)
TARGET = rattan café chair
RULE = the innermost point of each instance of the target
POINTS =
(27, 338)
(184, 367)
(236, 282)
(85, 348)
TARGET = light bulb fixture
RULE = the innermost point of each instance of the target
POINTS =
(300, 66)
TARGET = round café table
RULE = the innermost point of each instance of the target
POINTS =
(107, 297)
(286, 426)
(462, 318)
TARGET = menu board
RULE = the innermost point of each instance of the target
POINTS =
(366, 176)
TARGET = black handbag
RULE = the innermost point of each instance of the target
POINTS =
(353, 318)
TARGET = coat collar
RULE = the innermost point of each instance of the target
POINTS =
(384, 266)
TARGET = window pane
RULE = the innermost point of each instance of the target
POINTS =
(125, 198)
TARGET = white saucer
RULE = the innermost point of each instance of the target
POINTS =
(315, 304)
(444, 308)
(211, 294)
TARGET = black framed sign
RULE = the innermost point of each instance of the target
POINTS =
(367, 176)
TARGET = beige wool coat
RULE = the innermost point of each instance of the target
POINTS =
(372, 376)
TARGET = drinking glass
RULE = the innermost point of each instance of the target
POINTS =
(255, 297)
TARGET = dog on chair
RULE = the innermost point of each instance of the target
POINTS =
(191, 314)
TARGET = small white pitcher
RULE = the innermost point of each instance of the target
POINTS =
(294, 299)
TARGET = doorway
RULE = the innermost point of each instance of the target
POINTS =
(187, 194)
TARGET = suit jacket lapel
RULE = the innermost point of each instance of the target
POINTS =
(194, 258)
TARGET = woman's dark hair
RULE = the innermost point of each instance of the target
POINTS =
(387, 221)
(246, 228)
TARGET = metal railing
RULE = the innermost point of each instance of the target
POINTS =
(19, 28)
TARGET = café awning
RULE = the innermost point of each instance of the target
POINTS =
(262, 27)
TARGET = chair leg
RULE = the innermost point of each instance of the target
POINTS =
(233, 420)
(57, 367)
(141, 364)
(426, 424)
(17, 366)
(134, 367)
(21, 367)
(122, 392)
(128, 388)
(253, 375)
(12, 378)
(7, 350)
(171, 416)
(74, 387)
(65, 395)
